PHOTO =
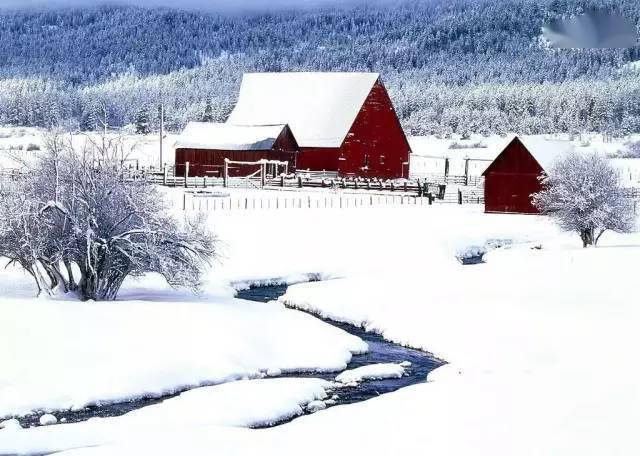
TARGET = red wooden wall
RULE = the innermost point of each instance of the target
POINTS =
(210, 162)
(375, 146)
(511, 179)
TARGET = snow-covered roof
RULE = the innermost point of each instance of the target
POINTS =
(545, 151)
(319, 107)
(224, 136)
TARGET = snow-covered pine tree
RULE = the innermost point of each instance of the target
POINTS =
(142, 123)
(207, 114)
(582, 193)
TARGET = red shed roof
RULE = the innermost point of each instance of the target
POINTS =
(544, 151)
(222, 136)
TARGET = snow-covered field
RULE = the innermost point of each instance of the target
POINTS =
(541, 340)
(140, 150)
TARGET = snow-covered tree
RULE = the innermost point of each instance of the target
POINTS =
(78, 222)
(583, 194)
(207, 114)
(142, 124)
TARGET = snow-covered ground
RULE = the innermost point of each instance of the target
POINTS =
(243, 403)
(541, 341)
(140, 150)
(61, 354)
(371, 372)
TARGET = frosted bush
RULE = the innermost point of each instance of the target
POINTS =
(77, 222)
(583, 194)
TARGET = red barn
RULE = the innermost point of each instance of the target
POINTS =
(206, 145)
(512, 177)
(343, 122)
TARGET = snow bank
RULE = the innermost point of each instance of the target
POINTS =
(246, 403)
(47, 419)
(371, 372)
(67, 355)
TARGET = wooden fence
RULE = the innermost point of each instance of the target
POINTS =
(418, 187)
(195, 202)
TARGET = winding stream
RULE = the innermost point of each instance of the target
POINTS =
(380, 351)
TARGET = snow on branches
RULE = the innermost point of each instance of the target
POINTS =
(583, 194)
(76, 221)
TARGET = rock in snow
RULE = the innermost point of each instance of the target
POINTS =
(48, 419)
(11, 424)
(371, 372)
(315, 406)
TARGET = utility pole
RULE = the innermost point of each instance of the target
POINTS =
(161, 131)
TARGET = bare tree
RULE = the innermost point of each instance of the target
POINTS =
(583, 194)
(78, 221)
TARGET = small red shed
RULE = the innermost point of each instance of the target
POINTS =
(513, 176)
(206, 145)
(343, 122)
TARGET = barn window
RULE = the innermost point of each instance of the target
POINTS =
(382, 159)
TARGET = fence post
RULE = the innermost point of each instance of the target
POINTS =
(430, 196)
(466, 171)
(299, 181)
(184, 201)
(282, 180)
(459, 196)
(446, 168)
(225, 173)
(164, 175)
(186, 174)
(263, 174)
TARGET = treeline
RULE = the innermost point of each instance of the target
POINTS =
(208, 93)
(451, 66)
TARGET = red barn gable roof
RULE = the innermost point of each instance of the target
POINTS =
(320, 108)
(222, 136)
(544, 151)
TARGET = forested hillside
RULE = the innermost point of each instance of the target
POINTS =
(450, 65)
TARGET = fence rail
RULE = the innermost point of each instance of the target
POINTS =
(321, 201)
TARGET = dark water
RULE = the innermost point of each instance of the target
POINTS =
(477, 259)
(380, 351)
